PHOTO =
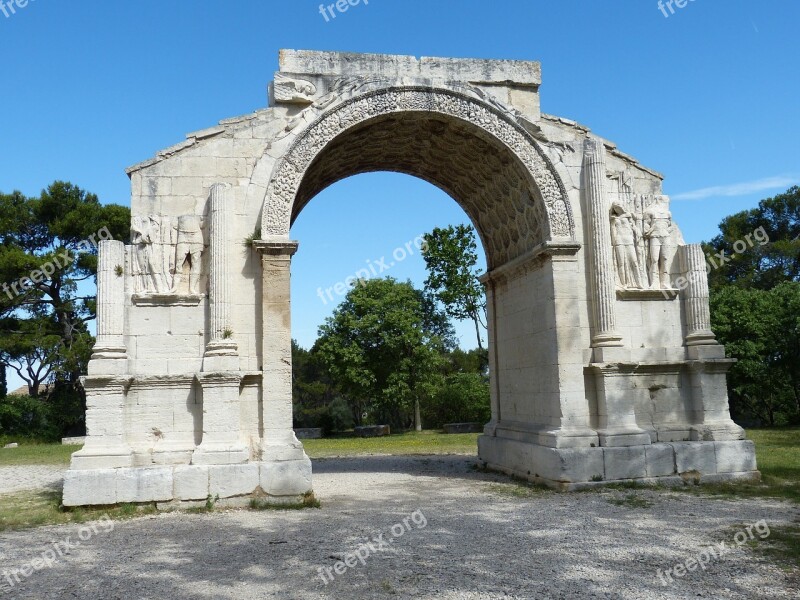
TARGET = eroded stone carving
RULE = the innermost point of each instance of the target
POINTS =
(659, 232)
(188, 254)
(293, 91)
(167, 254)
(623, 239)
(148, 256)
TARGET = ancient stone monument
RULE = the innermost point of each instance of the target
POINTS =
(603, 364)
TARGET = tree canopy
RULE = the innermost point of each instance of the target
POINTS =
(48, 248)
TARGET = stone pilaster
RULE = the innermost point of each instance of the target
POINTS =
(695, 296)
(222, 444)
(109, 356)
(494, 373)
(601, 267)
(279, 442)
(222, 351)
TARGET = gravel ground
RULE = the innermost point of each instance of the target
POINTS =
(478, 542)
(18, 479)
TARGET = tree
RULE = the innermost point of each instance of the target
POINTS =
(761, 329)
(450, 256)
(460, 398)
(48, 249)
(383, 346)
(754, 306)
(761, 245)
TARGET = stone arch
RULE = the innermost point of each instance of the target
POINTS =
(478, 154)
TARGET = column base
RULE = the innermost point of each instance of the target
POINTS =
(701, 338)
(615, 438)
(101, 458)
(213, 454)
(717, 432)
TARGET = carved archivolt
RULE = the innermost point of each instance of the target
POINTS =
(545, 194)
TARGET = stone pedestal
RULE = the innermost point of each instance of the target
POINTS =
(615, 407)
(105, 446)
(222, 442)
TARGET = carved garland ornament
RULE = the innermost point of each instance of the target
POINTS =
(289, 172)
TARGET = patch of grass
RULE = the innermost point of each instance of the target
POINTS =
(34, 509)
(778, 456)
(519, 488)
(426, 442)
(782, 546)
(308, 501)
(631, 501)
(32, 452)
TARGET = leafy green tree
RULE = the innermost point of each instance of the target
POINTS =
(771, 237)
(460, 398)
(761, 329)
(754, 306)
(383, 346)
(451, 256)
(48, 249)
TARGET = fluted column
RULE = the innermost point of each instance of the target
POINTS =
(601, 265)
(221, 336)
(110, 344)
(695, 296)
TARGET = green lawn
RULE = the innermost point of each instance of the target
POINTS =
(34, 453)
(427, 442)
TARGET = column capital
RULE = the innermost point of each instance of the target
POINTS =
(276, 246)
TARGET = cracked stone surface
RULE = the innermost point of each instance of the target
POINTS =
(481, 541)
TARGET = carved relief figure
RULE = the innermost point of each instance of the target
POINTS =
(623, 240)
(188, 253)
(659, 231)
(147, 260)
(298, 91)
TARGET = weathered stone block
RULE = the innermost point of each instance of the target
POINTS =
(287, 478)
(191, 482)
(735, 456)
(144, 485)
(660, 460)
(95, 487)
(232, 480)
(625, 463)
(697, 457)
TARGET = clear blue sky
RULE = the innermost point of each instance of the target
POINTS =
(707, 96)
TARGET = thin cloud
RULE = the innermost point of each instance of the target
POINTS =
(739, 189)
